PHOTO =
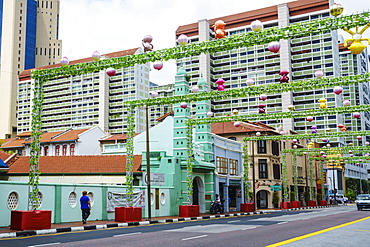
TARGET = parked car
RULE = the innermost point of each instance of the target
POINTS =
(363, 201)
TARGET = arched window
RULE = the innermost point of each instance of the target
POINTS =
(57, 150)
(46, 151)
(72, 149)
(64, 150)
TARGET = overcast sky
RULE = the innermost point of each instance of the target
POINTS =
(115, 25)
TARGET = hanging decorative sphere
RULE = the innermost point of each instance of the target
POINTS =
(309, 118)
(220, 81)
(148, 39)
(220, 88)
(291, 107)
(209, 114)
(313, 131)
(356, 115)
(328, 129)
(313, 127)
(304, 153)
(350, 144)
(346, 102)
(324, 139)
(338, 155)
(261, 110)
(96, 56)
(256, 26)
(158, 65)
(328, 145)
(64, 61)
(110, 71)
(338, 90)
(250, 81)
(322, 152)
(236, 124)
(324, 156)
(183, 105)
(359, 138)
(154, 94)
(340, 126)
(295, 146)
(182, 39)
(274, 47)
(258, 133)
(319, 73)
(294, 140)
(263, 97)
(336, 9)
(194, 89)
(235, 112)
(282, 132)
(351, 155)
(367, 143)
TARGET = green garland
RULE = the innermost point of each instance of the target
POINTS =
(36, 128)
(285, 178)
(248, 39)
(189, 164)
(333, 150)
(295, 178)
(312, 181)
(274, 88)
(354, 159)
(130, 156)
(246, 172)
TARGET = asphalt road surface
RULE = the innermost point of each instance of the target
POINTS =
(336, 226)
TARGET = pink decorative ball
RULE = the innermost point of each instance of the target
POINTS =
(294, 140)
(209, 114)
(304, 153)
(184, 105)
(220, 87)
(182, 39)
(158, 65)
(338, 90)
(346, 102)
(274, 47)
(154, 94)
(351, 155)
(367, 143)
(359, 138)
(261, 110)
(309, 118)
(64, 61)
(250, 81)
(236, 124)
(263, 97)
(356, 115)
(256, 26)
(194, 89)
(110, 71)
(282, 132)
(220, 81)
(96, 56)
(295, 146)
(319, 73)
(148, 39)
(258, 133)
(350, 151)
(322, 152)
(324, 156)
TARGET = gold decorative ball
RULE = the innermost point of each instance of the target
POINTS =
(336, 9)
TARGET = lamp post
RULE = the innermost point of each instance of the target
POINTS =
(253, 178)
(148, 163)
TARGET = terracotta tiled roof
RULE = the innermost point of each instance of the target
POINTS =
(101, 164)
(165, 115)
(28, 133)
(13, 143)
(25, 75)
(228, 127)
(69, 135)
(4, 156)
(117, 137)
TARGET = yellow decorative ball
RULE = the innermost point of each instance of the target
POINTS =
(336, 9)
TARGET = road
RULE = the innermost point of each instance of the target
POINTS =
(337, 226)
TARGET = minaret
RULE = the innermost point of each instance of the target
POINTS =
(180, 116)
(203, 134)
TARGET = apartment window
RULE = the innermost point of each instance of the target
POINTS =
(275, 148)
(57, 150)
(72, 149)
(46, 151)
(276, 170)
(233, 167)
(221, 164)
(261, 147)
(262, 168)
(64, 150)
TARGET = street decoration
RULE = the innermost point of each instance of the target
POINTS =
(96, 56)
(219, 27)
(147, 43)
(356, 46)
(182, 39)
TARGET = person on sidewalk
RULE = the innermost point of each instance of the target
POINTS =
(85, 206)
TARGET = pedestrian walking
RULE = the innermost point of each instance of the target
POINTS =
(85, 206)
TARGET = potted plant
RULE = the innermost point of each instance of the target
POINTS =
(249, 205)
(275, 199)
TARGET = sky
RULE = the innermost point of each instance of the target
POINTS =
(115, 25)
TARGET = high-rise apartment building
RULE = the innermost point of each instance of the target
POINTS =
(28, 31)
(86, 100)
(300, 56)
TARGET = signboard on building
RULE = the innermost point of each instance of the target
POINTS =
(275, 187)
(155, 178)
(119, 199)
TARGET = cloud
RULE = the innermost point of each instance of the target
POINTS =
(115, 25)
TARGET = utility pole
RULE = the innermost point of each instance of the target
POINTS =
(148, 163)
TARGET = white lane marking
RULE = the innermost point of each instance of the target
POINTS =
(282, 222)
(43, 244)
(243, 229)
(127, 234)
(233, 221)
(201, 236)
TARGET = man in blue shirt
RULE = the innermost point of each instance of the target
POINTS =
(85, 206)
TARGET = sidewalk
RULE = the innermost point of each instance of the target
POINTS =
(5, 232)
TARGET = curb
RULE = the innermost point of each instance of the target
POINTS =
(96, 227)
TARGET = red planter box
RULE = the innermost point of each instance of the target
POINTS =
(285, 205)
(127, 214)
(323, 203)
(247, 207)
(296, 204)
(30, 220)
(189, 210)
(312, 203)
